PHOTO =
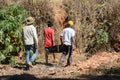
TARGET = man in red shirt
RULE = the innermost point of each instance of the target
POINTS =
(48, 39)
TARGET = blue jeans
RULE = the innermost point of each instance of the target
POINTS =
(27, 50)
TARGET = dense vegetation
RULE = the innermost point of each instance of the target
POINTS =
(12, 19)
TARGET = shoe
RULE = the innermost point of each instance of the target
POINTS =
(54, 61)
(30, 64)
(27, 67)
(67, 65)
(61, 63)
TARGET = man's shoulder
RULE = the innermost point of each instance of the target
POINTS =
(45, 29)
(49, 29)
(72, 29)
(30, 26)
(52, 29)
(69, 28)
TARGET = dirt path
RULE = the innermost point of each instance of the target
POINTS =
(81, 69)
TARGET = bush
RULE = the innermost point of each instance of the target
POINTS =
(12, 19)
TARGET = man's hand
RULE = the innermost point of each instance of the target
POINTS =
(36, 46)
(74, 47)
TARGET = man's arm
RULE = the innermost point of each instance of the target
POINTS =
(61, 40)
(73, 43)
(22, 37)
(61, 37)
(53, 39)
(35, 37)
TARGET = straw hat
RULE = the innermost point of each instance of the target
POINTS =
(30, 20)
(70, 22)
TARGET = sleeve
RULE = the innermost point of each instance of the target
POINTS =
(35, 36)
(73, 38)
(73, 33)
(53, 37)
(53, 31)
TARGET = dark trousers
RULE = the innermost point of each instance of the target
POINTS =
(67, 50)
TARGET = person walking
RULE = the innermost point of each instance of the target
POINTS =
(48, 39)
(30, 40)
(68, 42)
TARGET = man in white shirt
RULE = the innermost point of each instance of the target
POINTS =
(30, 40)
(67, 40)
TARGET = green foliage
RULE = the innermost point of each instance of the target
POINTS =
(12, 60)
(2, 57)
(12, 19)
(102, 36)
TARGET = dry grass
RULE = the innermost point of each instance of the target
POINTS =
(88, 15)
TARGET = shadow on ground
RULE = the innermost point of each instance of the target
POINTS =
(109, 74)
(103, 77)
(82, 77)
(23, 66)
(30, 77)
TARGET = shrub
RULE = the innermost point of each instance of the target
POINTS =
(12, 19)
(102, 36)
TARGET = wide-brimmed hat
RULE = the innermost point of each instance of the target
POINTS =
(70, 22)
(30, 20)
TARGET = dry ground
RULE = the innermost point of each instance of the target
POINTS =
(103, 66)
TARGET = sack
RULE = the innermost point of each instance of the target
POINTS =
(56, 48)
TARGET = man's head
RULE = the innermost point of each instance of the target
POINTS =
(50, 24)
(30, 20)
(70, 23)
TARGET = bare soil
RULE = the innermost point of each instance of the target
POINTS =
(101, 66)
